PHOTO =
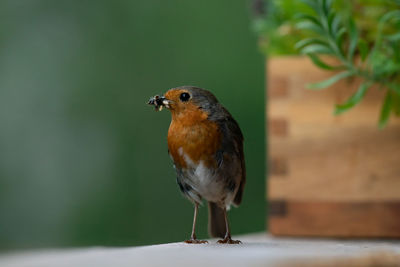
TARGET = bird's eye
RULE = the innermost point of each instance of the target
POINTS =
(184, 97)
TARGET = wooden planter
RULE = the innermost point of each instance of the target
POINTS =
(329, 176)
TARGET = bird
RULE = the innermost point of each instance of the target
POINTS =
(205, 144)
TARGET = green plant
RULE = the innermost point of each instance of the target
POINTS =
(378, 62)
(275, 22)
(363, 35)
(277, 27)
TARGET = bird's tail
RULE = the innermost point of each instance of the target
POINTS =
(216, 221)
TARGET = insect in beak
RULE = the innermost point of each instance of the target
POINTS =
(159, 102)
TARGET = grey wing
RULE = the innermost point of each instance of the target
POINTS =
(231, 151)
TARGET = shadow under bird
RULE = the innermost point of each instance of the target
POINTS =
(206, 146)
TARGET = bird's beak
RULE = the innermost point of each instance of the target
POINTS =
(159, 102)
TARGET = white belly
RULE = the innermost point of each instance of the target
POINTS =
(205, 181)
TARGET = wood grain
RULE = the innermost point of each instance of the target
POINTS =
(330, 157)
(335, 219)
(333, 172)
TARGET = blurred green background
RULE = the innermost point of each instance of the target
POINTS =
(83, 159)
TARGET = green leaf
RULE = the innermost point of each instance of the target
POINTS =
(353, 34)
(385, 111)
(379, 35)
(308, 41)
(394, 37)
(327, 6)
(311, 3)
(309, 18)
(387, 68)
(395, 87)
(396, 104)
(331, 17)
(320, 8)
(363, 49)
(321, 64)
(339, 37)
(353, 100)
(316, 48)
(309, 26)
(330, 81)
(390, 15)
(335, 25)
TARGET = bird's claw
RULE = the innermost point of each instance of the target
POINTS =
(196, 241)
(229, 241)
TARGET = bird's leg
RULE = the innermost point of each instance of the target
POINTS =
(193, 239)
(227, 239)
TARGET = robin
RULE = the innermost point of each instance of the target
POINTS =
(206, 146)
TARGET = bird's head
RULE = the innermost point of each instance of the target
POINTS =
(186, 101)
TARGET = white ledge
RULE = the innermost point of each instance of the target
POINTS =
(256, 250)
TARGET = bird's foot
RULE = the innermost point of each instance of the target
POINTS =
(195, 241)
(228, 240)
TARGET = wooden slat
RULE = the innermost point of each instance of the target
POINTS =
(358, 164)
(335, 219)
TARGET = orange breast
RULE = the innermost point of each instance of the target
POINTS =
(192, 135)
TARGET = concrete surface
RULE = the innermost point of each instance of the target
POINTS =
(256, 250)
